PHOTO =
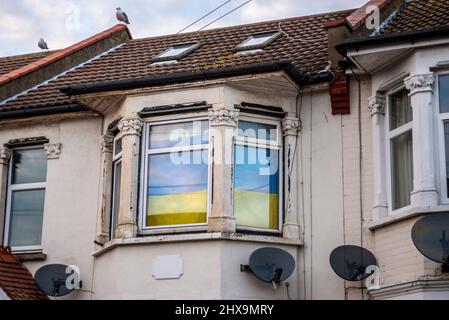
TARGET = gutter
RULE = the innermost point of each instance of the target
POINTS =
(40, 111)
(168, 79)
(409, 36)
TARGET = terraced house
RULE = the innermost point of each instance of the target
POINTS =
(122, 155)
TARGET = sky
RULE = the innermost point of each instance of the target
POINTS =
(64, 22)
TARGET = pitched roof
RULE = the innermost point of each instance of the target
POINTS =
(419, 15)
(57, 55)
(15, 280)
(8, 64)
(304, 43)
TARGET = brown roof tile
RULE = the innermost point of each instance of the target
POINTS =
(304, 44)
(358, 17)
(44, 61)
(15, 280)
(419, 15)
(9, 64)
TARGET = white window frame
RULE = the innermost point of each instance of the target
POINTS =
(116, 160)
(146, 152)
(163, 58)
(442, 118)
(21, 187)
(244, 46)
(269, 144)
(390, 135)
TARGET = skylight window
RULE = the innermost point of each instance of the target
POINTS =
(259, 40)
(176, 52)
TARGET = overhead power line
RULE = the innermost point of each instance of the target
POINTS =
(233, 10)
(206, 15)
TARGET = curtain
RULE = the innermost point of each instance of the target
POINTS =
(402, 169)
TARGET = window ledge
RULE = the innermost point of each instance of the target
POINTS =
(405, 215)
(30, 256)
(196, 237)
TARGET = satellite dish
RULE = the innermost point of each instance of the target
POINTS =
(431, 237)
(350, 262)
(271, 265)
(52, 280)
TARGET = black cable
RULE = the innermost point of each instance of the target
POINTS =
(235, 9)
(206, 15)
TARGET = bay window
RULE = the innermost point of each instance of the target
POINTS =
(401, 148)
(26, 198)
(257, 172)
(176, 174)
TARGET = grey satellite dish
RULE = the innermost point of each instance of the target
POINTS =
(431, 237)
(270, 265)
(350, 262)
(52, 280)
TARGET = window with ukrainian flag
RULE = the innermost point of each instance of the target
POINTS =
(177, 175)
(256, 176)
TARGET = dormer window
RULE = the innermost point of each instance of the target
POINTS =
(258, 40)
(176, 52)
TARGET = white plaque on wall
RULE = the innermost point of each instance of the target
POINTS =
(168, 267)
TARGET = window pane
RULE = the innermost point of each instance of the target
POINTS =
(118, 147)
(257, 130)
(27, 209)
(400, 109)
(29, 166)
(116, 204)
(444, 93)
(179, 134)
(177, 50)
(402, 169)
(259, 39)
(256, 187)
(446, 140)
(177, 189)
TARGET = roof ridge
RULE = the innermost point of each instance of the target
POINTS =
(247, 25)
(57, 55)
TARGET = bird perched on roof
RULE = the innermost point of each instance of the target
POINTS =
(121, 16)
(42, 44)
(327, 69)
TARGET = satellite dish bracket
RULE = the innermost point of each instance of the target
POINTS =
(276, 280)
(245, 268)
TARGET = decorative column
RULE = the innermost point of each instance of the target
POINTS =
(421, 89)
(5, 156)
(376, 107)
(223, 124)
(130, 133)
(291, 128)
(103, 223)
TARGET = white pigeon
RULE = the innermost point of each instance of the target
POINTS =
(121, 16)
(327, 69)
(42, 44)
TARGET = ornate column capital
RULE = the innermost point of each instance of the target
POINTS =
(5, 156)
(130, 127)
(376, 105)
(223, 117)
(107, 144)
(291, 126)
(53, 151)
(420, 83)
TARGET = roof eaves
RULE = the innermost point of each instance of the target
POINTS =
(409, 36)
(183, 77)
